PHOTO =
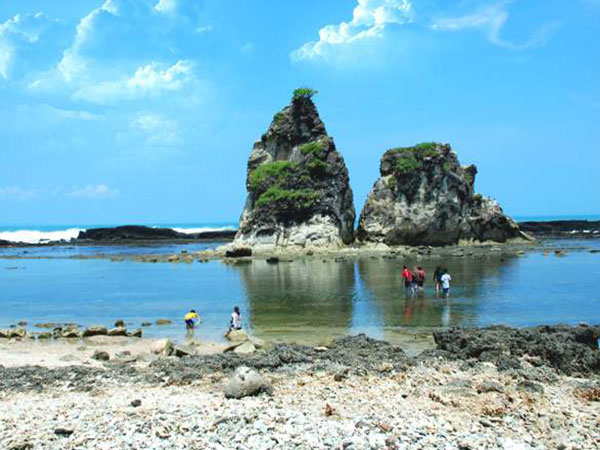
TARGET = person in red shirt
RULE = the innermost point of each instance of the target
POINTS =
(421, 277)
(408, 278)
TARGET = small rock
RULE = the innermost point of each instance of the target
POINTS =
(272, 260)
(22, 323)
(246, 382)
(184, 350)
(101, 355)
(117, 332)
(71, 333)
(237, 336)
(329, 410)
(135, 403)
(120, 324)
(238, 252)
(490, 386)
(95, 330)
(146, 324)
(63, 432)
(135, 333)
(163, 322)
(320, 349)
(341, 375)
(163, 347)
(45, 325)
(245, 348)
(44, 335)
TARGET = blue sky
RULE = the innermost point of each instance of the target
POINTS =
(145, 111)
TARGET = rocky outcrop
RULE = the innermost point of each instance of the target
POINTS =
(425, 197)
(135, 233)
(297, 182)
(563, 228)
(570, 350)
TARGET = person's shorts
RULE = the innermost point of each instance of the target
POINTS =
(189, 323)
(445, 290)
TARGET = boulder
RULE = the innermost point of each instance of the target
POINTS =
(16, 333)
(184, 350)
(101, 355)
(238, 252)
(163, 322)
(119, 331)
(237, 336)
(135, 333)
(246, 382)
(425, 197)
(4, 333)
(297, 183)
(44, 335)
(245, 348)
(71, 333)
(95, 330)
(162, 347)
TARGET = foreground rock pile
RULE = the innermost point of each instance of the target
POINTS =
(357, 393)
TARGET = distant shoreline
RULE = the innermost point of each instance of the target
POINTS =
(145, 235)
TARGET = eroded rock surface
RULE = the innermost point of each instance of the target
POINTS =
(298, 185)
(425, 197)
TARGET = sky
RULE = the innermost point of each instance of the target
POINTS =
(145, 111)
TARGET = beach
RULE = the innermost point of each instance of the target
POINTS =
(355, 393)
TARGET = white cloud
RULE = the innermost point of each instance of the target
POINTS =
(156, 130)
(18, 193)
(369, 20)
(19, 34)
(149, 80)
(92, 191)
(491, 20)
(165, 6)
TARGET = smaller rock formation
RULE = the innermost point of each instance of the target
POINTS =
(297, 182)
(425, 197)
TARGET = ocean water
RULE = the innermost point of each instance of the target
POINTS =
(306, 301)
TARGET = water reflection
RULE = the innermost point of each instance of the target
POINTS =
(299, 298)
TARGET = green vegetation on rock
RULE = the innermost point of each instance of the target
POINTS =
(468, 177)
(288, 199)
(278, 118)
(408, 163)
(273, 173)
(314, 148)
(304, 92)
(392, 183)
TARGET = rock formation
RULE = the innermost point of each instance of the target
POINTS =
(297, 182)
(425, 197)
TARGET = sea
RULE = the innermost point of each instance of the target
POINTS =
(304, 301)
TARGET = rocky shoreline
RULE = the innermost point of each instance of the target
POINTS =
(493, 387)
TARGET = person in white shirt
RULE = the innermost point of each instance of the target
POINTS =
(235, 323)
(445, 279)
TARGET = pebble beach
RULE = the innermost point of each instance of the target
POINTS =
(356, 393)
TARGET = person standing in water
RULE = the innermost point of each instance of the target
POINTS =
(235, 322)
(437, 279)
(415, 280)
(445, 279)
(421, 277)
(190, 319)
(407, 277)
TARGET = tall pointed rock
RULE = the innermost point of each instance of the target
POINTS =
(425, 197)
(297, 182)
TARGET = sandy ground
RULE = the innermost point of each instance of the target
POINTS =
(67, 352)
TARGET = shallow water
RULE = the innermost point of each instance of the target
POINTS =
(305, 301)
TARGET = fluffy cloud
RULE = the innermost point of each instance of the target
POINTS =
(369, 20)
(28, 41)
(92, 191)
(149, 80)
(16, 192)
(491, 20)
(155, 130)
(126, 50)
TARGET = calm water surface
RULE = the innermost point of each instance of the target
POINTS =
(303, 301)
